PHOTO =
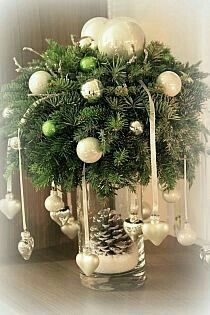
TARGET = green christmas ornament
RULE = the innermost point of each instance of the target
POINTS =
(88, 64)
(48, 128)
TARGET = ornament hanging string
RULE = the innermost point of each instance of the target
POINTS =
(185, 190)
(9, 179)
(85, 209)
(153, 151)
(21, 183)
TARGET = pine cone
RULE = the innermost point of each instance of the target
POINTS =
(108, 236)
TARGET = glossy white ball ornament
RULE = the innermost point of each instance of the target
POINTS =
(10, 206)
(53, 202)
(14, 143)
(93, 28)
(186, 236)
(92, 89)
(123, 38)
(88, 150)
(170, 82)
(7, 112)
(39, 82)
(171, 196)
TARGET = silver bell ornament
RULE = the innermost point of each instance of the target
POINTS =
(88, 150)
(53, 202)
(170, 83)
(87, 261)
(10, 206)
(61, 217)
(137, 127)
(39, 82)
(171, 196)
(92, 90)
(205, 255)
(14, 143)
(133, 226)
(7, 112)
(26, 245)
(186, 236)
(71, 228)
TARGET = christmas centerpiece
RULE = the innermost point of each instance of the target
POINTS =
(108, 112)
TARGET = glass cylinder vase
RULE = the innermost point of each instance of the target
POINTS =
(121, 264)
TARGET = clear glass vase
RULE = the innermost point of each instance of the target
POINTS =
(112, 277)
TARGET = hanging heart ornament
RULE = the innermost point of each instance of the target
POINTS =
(87, 262)
(26, 245)
(61, 217)
(155, 230)
(10, 206)
(71, 228)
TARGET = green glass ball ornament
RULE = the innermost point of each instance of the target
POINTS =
(92, 90)
(88, 63)
(48, 128)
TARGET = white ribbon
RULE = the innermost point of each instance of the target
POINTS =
(85, 209)
(185, 190)
(155, 209)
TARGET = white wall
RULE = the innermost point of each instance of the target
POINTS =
(184, 25)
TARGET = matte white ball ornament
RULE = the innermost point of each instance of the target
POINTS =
(124, 38)
(171, 196)
(88, 150)
(14, 143)
(92, 89)
(186, 236)
(170, 82)
(94, 27)
(53, 202)
(39, 82)
(10, 206)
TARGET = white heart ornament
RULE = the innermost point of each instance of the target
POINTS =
(87, 262)
(70, 229)
(60, 217)
(155, 231)
(186, 236)
(10, 206)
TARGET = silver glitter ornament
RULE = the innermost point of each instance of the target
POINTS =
(133, 226)
(26, 245)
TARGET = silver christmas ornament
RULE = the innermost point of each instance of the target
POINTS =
(171, 196)
(10, 206)
(7, 112)
(205, 255)
(71, 228)
(133, 226)
(26, 245)
(92, 90)
(14, 143)
(39, 82)
(87, 261)
(61, 217)
(137, 127)
(54, 202)
(170, 82)
(88, 150)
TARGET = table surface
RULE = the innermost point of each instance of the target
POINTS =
(177, 283)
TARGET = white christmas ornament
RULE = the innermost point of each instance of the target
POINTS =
(171, 196)
(26, 245)
(87, 262)
(71, 228)
(186, 236)
(88, 150)
(170, 82)
(54, 202)
(137, 127)
(14, 143)
(10, 206)
(92, 89)
(155, 231)
(7, 112)
(39, 82)
(93, 28)
(120, 37)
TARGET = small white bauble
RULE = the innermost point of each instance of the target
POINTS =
(92, 89)
(53, 202)
(14, 143)
(39, 82)
(87, 42)
(137, 127)
(93, 28)
(88, 150)
(171, 196)
(7, 112)
(170, 82)
(123, 38)
(186, 236)
(10, 206)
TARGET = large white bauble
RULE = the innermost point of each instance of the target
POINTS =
(171, 196)
(186, 236)
(94, 27)
(53, 202)
(170, 82)
(122, 38)
(38, 82)
(88, 150)
(10, 206)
